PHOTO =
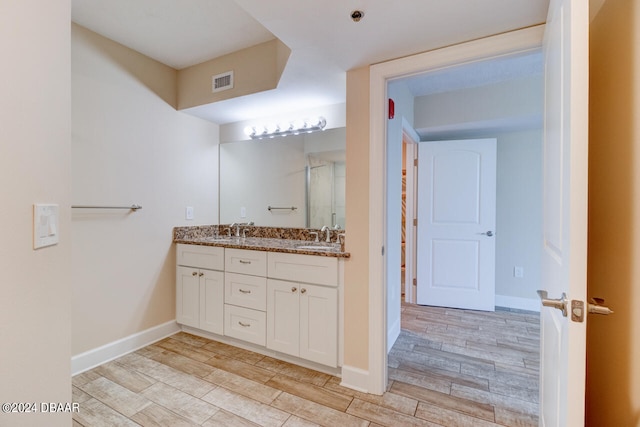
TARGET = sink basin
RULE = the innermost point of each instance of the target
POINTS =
(315, 248)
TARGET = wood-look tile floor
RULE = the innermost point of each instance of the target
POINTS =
(448, 368)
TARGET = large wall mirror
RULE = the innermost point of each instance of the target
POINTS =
(293, 181)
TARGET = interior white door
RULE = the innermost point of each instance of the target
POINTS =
(456, 224)
(564, 260)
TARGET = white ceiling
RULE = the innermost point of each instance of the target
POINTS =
(325, 42)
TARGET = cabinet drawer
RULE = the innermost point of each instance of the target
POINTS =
(245, 324)
(303, 268)
(209, 257)
(246, 262)
(245, 291)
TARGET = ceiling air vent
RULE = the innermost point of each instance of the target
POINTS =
(222, 82)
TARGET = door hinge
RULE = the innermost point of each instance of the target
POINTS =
(415, 282)
(415, 222)
(415, 162)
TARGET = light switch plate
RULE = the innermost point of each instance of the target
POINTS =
(45, 225)
(188, 212)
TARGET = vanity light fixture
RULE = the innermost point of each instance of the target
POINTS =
(293, 128)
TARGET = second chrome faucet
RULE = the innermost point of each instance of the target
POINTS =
(326, 229)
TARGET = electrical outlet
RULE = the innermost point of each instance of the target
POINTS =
(188, 212)
(518, 272)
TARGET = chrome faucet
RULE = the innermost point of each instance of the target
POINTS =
(328, 230)
(237, 226)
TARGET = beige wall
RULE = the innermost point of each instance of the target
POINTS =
(356, 292)
(255, 69)
(130, 145)
(613, 342)
(34, 168)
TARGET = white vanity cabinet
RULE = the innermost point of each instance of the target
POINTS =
(200, 287)
(281, 302)
(302, 306)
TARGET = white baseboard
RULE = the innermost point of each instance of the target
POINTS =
(518, 303)
(355, 378)
(92, 358)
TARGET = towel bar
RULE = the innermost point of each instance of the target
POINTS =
(271, 208)
(132, 207)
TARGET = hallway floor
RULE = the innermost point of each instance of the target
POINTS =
(448, 368)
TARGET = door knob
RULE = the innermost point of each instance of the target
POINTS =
(487, 233)
(560, 304)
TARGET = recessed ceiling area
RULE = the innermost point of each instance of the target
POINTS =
(176, 33)
(325, 42)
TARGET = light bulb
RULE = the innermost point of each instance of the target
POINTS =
(284, 127)
(272, 127)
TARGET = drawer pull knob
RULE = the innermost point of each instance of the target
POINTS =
(201, 274)
(195, 273)
(244, 262)
(244, 325)
(244, 292)
(303, 291)
(294, 289)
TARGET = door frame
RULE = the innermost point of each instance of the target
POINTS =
(516, 42)
(411, 139)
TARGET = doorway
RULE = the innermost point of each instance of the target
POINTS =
(518, 132)
(524, 41)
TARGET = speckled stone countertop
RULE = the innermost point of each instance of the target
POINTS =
(290, 242)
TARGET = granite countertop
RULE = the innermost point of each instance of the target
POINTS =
(291, 246)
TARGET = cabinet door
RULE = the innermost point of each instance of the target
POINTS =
(319, 324)
(188, 296)
(212, 301)
(283, 313)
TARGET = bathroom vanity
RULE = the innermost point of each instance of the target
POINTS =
(280, 297)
